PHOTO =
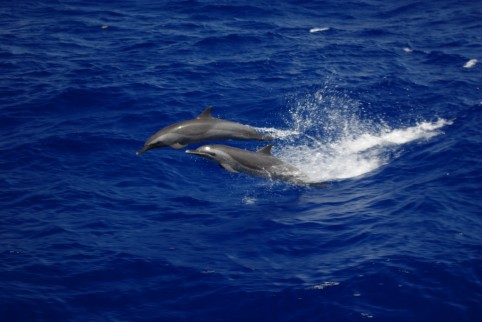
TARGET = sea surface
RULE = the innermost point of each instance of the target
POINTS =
(381, 100)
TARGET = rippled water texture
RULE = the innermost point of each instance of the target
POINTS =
(380, 100)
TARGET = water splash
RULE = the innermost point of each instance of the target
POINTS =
(331, 138)
(277, 133)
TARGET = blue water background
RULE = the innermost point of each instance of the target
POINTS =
(91, 232)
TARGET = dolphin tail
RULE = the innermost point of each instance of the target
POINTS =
(267, 137)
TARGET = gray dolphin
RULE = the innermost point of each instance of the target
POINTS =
(260, 163)
(203, 128)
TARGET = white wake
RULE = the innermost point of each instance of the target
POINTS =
(328, 139)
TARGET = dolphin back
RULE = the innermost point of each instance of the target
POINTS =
(203, 128)
(234, 130)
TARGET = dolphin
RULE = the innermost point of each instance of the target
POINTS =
(260, 163)
(203, 128)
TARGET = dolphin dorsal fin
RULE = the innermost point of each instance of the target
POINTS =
(266, 150)
(206, 114)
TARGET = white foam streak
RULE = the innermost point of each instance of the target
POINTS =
(319, 29)
(277, 133)
(331, 142)
(424, 130)
(471, 63)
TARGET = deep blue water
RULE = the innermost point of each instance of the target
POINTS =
(380, 99)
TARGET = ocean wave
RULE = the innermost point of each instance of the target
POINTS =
(92, 232)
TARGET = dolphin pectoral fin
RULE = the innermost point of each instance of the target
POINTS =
(206, 114)
(228, 167)
(178, 145)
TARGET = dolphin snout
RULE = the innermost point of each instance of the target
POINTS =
(195, 152)
(144, 149)
(204, 154)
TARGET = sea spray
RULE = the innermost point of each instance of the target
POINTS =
(329, 137)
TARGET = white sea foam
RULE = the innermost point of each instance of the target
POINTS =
(329, 140)
(471, 63)
(324, 285)
(366, 141)
(249, 200)
(319, 29)
(277, 133)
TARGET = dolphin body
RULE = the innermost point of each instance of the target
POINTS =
(203, 128)
(260, 163)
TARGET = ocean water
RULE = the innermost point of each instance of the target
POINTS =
(381, 100)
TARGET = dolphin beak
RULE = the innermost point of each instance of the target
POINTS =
(144, 149)
(199, 153)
